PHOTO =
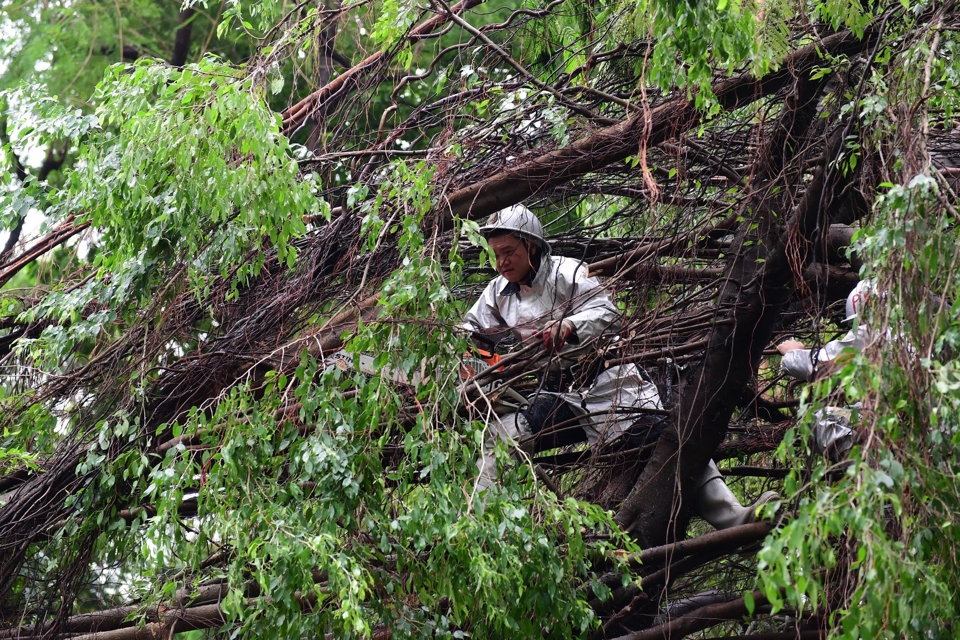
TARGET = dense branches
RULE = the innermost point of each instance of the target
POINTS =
(182, 452)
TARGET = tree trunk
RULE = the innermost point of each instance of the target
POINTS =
(757, 285)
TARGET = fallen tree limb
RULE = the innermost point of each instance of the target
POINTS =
(756, 287)
(698, 619)
(734, 537)
(630, 262)
(661, 274)
(792, 635)
(756, 472)
(100, 622)
(668, 562)
(616, 143)
(60, 234)
(755, 440)
(170, 621)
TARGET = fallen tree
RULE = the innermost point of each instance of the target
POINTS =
(183, 457)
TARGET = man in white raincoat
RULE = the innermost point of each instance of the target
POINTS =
(832, 434)
(550, 299)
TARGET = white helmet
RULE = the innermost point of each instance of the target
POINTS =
(519, 221)
(857, 298)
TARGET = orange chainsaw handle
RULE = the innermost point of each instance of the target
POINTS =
(489, 357)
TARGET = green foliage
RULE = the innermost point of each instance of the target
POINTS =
(559, 35)
(197, 162)
(349, 500)
(74, 36)
(704, 36)
(15, 456)
(701, 34)
(181, 172)
(891, 511)
(334, 521)
(394, 20)
(238, 16)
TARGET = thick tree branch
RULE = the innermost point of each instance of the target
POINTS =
(181, 42)
(170, 621)
(753, 295)
(63, 232)
(614, 144)
(792, 635)
(697, 620)
(732, 538)
(99, 622)
(756, 472)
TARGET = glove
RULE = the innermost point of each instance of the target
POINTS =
(787, 346)
(555, 335)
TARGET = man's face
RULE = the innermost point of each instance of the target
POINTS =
(513, 259)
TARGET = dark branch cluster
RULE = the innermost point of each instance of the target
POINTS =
(717, 245)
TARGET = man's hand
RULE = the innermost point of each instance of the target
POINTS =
(555, 335)
(787, 346)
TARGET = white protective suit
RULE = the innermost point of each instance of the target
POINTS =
(832, 434)
(562, 290)
(800, 363)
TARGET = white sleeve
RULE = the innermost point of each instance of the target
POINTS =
(484, 316)
(593, 310)
(800, 362)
